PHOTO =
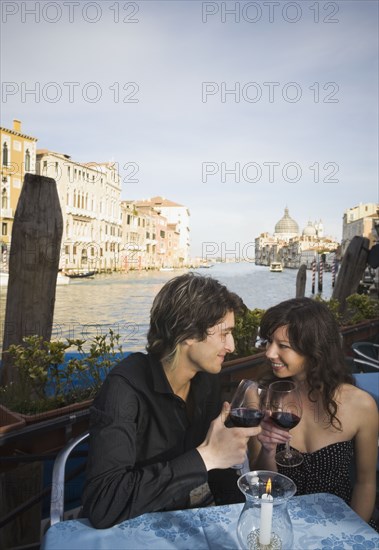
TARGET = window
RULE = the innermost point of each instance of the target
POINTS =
(4, 199)
(27, 160)
(4, 228)
(5, 154)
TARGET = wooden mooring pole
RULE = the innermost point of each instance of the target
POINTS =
(33, 266)
(352, 267)
(301, 280)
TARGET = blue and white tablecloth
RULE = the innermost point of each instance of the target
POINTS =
(320, 521)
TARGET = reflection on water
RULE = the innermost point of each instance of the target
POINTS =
(122, 301)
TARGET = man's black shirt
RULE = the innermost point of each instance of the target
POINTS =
(142, 455)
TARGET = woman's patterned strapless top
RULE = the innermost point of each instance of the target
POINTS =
(328, 470)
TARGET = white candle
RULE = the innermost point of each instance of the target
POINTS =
(266, 519)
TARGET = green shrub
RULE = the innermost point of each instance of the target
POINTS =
(245, 332)
(45, 382)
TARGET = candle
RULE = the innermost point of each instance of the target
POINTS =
(266, 516)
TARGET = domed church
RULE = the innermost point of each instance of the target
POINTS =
(290, 245)
(286, 228)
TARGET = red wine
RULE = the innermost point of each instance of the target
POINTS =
(244, 418)
(285, 420)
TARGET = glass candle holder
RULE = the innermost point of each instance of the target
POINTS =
(264, 523)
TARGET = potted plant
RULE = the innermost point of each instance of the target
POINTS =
(359, 321)
(52, 381)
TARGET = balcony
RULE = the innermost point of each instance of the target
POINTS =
(7, 213)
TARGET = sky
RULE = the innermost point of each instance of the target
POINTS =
(233, 109)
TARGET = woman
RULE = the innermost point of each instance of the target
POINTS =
(339, 424)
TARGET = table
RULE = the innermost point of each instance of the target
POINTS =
(320, 521)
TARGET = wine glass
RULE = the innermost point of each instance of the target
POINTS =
(284, 402)
(245, 408)
(245, 411)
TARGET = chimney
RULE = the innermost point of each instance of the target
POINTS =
(17, 125)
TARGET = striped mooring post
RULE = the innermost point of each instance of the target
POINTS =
(320, 275)
(313, 276)
(334, 271)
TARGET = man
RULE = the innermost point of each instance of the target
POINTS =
(156, 425)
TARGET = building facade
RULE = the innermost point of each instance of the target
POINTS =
(89, 195)
(149, 241)
(178, 215)
(18, 157)
(100, 232)
(360, 221)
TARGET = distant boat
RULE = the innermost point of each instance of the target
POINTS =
(80, 274)
(205, 266)
(276, 267)
(166, 269)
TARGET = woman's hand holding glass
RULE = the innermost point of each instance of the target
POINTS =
(284, 404)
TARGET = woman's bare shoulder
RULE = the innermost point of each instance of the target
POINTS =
(352, 396)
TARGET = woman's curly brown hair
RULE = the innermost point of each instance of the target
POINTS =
(313, 332)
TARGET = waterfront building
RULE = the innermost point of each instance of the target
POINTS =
(141, 245)
(151, 241)
(166, 240)
(180, 216)
(18, 157)
(89, 195)
(360, 221)
(292, 247)
(135, 226)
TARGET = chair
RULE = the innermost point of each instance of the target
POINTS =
(367, 356)
(366, 350)
(363, 365)
(58, 478)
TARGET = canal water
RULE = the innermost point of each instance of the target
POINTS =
(122, 301)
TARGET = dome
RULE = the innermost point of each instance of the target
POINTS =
(287, 225)
(310, 230)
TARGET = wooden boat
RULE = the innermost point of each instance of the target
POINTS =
(276, 267)
(80, 274)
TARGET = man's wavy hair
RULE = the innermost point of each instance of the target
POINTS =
(313, 332)
(186, 307)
